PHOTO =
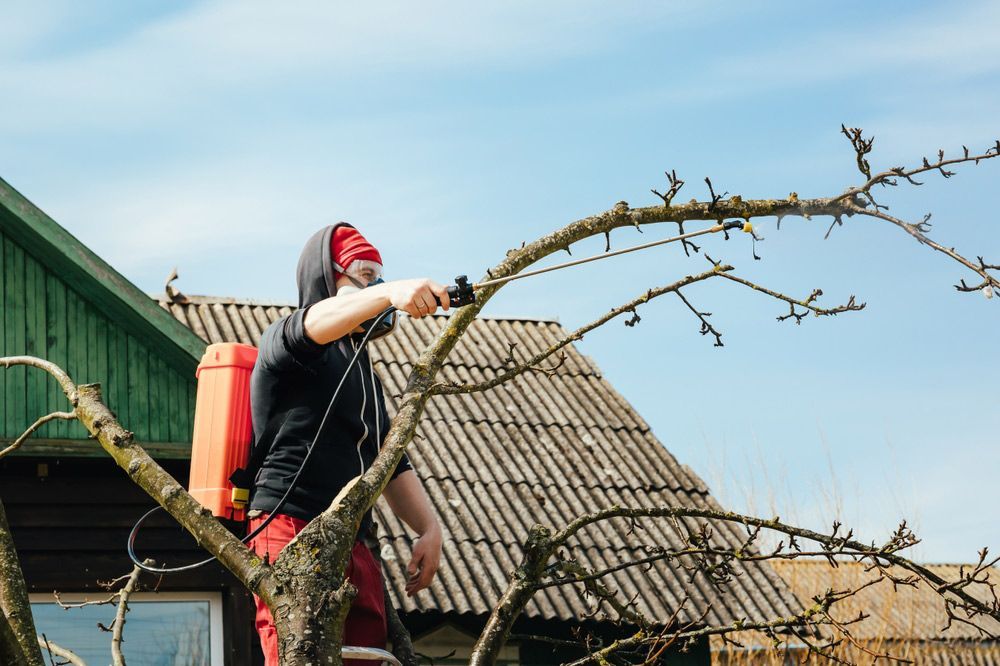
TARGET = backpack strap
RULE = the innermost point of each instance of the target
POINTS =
(244, 477)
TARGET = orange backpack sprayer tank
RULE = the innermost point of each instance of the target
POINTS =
(222, 428)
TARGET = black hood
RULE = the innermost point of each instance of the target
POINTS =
(315, 274)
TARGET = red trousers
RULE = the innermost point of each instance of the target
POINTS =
(365, 625)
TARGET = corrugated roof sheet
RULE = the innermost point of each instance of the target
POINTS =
(904, 613)
(538, 449)
(906, 622)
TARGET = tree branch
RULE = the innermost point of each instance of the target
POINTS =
(14, 603)
(889, 178)
(706, 326)
(321, 549)
(835, 544)
(118, 658)
(510, 373)
(807, 303)
(917, 231)
(65, 383)
(119, 443)
(804, 618)
(53, 649)
(543, 545)
(68, 416)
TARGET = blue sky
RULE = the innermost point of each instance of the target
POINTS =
(217, 136)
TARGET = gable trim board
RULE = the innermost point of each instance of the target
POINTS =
(95, 280)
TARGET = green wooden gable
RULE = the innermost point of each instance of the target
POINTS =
(61, 302)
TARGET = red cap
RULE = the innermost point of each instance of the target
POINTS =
(347, 244)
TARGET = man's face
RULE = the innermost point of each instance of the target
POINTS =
(366, 275)
(346, 285)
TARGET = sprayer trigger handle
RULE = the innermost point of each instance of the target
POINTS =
(461, 292)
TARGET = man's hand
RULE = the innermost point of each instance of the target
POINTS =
(409, 501)
(424, 563)
(419, 297)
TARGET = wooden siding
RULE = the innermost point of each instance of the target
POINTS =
(70, 519)
(44, 316)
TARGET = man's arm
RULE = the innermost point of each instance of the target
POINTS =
(335, 317)
(408, 500)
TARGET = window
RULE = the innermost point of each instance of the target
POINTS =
(161, 629)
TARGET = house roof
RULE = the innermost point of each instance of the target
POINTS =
(538, 449)
(907, 622)
(104, 287)
(901, 614)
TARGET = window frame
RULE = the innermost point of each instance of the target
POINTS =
(216, 638)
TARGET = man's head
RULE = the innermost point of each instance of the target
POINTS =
(357, 264)
(356, 261)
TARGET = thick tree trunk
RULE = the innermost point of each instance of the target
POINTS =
(10, 649)
(14, 602)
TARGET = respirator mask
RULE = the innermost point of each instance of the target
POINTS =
(364, 273)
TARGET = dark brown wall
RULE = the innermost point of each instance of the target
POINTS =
(71, 518)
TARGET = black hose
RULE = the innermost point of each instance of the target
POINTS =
(281, 503)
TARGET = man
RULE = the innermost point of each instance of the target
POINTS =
(302, 358)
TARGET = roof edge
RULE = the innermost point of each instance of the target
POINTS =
(202, 299)
(95, 279)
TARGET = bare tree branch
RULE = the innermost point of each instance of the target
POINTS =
(65, 383)
(706, 326)
(807, 303)
(510, 373)
(890, 177)
(118, 442)
(14, 603)
(917, 231)
(716, 564)
(118, 659)
(804, 618)
(54, 650)
(835, 543)
(68, 416)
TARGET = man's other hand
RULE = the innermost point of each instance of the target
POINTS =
(424, 562)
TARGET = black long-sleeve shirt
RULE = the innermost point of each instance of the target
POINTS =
(290, 389)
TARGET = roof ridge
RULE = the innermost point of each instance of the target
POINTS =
(208, 299)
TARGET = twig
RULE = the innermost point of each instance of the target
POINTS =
(675, 185)
(68, 416)
(119, 623)
(861, 147)
(805, 303)
(800, 619)
(889, 177)
(511, 372)
(706, 327)
(61, 652)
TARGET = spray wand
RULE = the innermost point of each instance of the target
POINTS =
(463, 293)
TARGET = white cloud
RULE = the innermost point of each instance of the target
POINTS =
(216, 50)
